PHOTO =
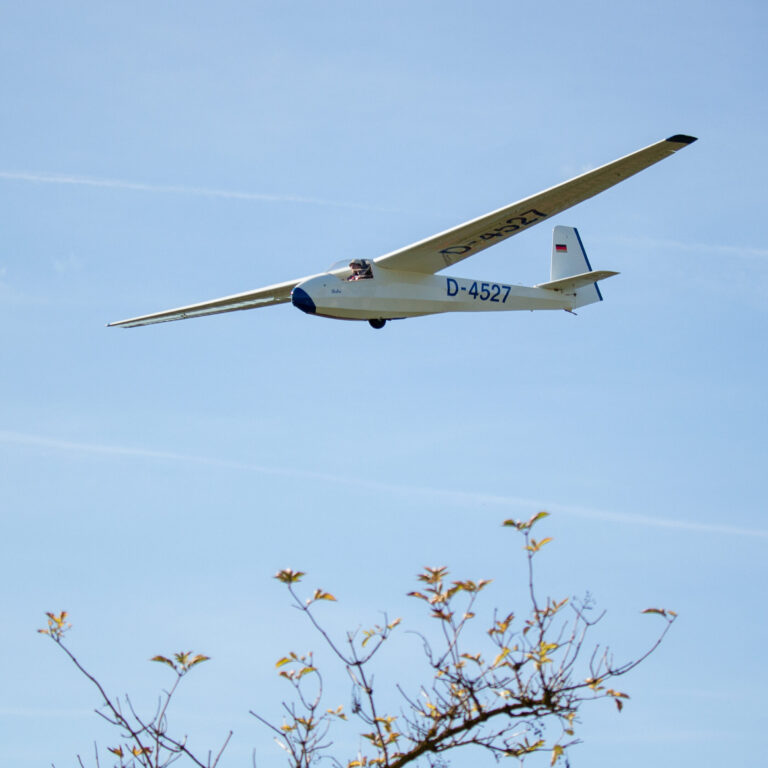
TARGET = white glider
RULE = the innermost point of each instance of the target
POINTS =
(404, 283)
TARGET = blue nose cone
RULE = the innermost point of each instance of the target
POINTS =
(301, 300)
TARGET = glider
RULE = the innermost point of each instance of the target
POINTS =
(405, 283)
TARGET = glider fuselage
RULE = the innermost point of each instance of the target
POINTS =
(388, 294)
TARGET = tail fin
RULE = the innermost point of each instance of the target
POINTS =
(570, 259)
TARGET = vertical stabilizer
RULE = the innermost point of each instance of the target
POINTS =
(569, 258)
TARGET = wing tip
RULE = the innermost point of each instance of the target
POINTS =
(682, 138)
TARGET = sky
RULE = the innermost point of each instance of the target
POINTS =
(152, 480)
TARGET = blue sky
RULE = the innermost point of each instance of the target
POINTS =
(152, 480)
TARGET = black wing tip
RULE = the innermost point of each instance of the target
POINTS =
(681, 138)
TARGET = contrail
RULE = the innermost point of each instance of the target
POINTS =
(461, 498)
(178, 189)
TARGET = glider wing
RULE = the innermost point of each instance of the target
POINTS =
(262, 297)
(446, 248)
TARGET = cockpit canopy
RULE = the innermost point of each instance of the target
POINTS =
(358, 269)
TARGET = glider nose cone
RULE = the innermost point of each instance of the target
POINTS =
(301, 300)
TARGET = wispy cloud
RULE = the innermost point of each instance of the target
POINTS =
(711, 248)
(460, 498)
(34, 712)
(177, 189)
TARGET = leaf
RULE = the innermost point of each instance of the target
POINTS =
(521, 526)
(305, 671)
(289, 576)
(557, 752)
(535, 546)
(433, 575)
(164, 660)
(619, 704)
(116, 751)
(284, 660)
(320, 595)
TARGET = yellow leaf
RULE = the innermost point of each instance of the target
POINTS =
(306, 671)
(320, 595)
(289, 576)
(284, 660)
(545, 648)
(557, 751)
(164, 660)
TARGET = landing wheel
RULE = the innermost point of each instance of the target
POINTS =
(377, 324)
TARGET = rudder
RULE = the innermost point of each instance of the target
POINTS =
(569, 258)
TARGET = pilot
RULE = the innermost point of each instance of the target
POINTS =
(361, 269)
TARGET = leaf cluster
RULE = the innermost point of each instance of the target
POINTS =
(519, 694)
(513, 689)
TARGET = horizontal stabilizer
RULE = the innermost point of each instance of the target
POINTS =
(570, 284)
